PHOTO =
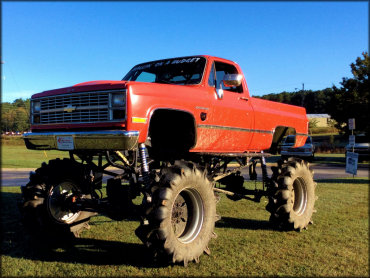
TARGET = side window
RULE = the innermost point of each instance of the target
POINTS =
(221, 70)
(211, 78)
(146, 77)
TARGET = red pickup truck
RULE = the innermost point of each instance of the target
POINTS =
(170, 128)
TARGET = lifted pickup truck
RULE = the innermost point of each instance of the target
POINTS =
(171, 128)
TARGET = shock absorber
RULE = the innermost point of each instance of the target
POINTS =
(264, 171)
(144, 166)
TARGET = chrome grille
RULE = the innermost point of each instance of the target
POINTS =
(77, 116)
(80, 100)
(86, 107)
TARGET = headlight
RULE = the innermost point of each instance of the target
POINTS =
(118, 105)
(118, 99)
(36, 106)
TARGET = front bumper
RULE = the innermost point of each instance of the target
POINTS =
(82, 140)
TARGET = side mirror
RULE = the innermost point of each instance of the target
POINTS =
(232, 80)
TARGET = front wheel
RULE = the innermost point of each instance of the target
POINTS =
(51, 187)
(292, 201)
(182, 219)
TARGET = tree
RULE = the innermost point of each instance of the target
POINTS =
(312, 123)
(7, 116)
(315, 102)
(15, 116)
(352, 99)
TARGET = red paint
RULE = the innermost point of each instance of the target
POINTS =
(228, 120)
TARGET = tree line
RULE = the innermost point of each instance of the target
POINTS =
(15, 116)
(350, 100)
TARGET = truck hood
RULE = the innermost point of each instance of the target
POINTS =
(85, 87)
(100, 85)
(99, 82)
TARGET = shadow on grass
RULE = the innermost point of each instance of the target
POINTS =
(87, 251)
(237, 223)
(16, 243)
(344, 181)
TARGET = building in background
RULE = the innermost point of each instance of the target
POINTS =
(320, 120)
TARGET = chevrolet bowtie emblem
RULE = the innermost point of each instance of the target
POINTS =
(69, 108)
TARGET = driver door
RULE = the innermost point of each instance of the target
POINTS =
(231, 115)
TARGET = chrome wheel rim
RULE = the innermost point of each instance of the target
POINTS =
(299, 196)
(187, 215)
(56, 196)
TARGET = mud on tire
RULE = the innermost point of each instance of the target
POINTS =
(42, 215)
(292, 199)
(182, 219)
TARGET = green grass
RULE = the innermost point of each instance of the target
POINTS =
(320, 158)
(334, 158)
(335, 245)
(323, 158)
(12, 140)
(13, 156)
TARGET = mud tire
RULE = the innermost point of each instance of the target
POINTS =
(35, 206)
(292, 198)
(182, 219)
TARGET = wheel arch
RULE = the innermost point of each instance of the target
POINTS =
(278, 135)
(175, 125)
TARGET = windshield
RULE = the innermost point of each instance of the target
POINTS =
(179, 71)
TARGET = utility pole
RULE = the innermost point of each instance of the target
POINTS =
(302, 95)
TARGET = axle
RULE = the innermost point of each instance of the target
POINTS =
(256, 193)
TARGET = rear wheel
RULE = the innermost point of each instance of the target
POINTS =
(292, 200)
(44, 199)
(182, 219)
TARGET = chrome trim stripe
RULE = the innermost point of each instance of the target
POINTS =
(242, 129)
(235, 129)
(83, 133)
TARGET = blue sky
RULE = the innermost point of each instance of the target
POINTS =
(279, 45)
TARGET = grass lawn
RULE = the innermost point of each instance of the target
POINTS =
(330, 158)
(335, 245)
(17, 156)
(320, 158)
(13, 156)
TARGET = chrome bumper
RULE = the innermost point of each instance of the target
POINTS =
(82, 140)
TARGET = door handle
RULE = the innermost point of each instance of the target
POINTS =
(244, 98)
